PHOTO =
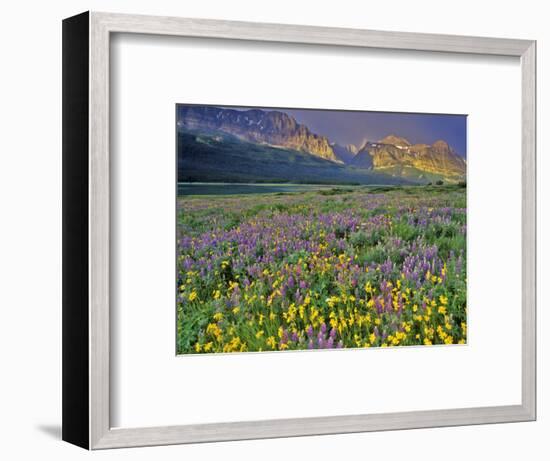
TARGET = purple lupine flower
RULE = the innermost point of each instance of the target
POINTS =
(284, 337)
(298, 297)
(378, 305)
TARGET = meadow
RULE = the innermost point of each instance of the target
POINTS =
(338, 267)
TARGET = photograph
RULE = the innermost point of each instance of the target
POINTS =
(301, 229)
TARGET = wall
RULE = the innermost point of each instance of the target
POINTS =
(30, 247)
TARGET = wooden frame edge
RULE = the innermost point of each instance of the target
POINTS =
(299, 427)
(75, 327)
(529, 227)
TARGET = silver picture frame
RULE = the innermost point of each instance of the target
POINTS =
(86, 229)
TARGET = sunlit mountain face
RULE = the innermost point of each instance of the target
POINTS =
(239, 144)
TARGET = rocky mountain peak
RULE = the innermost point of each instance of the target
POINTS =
(269, 127)
(352, 148)
(441, 146)
(395, 140)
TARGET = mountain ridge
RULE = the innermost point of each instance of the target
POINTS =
(270, 127)
(392, 155)
(213, 156)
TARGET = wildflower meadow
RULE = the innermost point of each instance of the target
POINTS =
(341, 267)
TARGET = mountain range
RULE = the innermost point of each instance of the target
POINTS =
(261, 145)
(265, 127)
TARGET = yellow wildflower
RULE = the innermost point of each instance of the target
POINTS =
(368, 287)
(271, 342)
(214, 330)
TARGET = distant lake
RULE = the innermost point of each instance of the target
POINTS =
(201, 188)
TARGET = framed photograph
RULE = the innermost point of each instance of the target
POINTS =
(275, 230)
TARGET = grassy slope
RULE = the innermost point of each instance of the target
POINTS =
(220, 157)
(416, 174)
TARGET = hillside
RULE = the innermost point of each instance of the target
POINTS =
(210, 156)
